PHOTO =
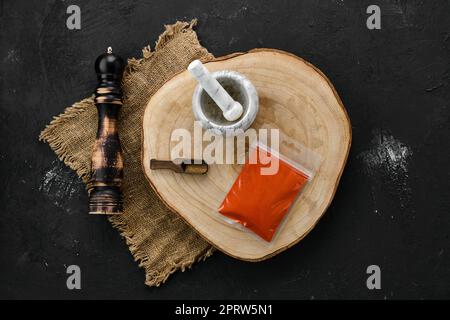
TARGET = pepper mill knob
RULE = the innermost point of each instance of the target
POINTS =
(107, 160)
(109, 65)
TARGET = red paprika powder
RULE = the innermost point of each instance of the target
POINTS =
(260, 201)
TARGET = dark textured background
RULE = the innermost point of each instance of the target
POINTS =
(391, 208)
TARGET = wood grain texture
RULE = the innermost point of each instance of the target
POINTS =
(107, 163)
(295, 97)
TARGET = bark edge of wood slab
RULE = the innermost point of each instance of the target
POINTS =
(294, 96)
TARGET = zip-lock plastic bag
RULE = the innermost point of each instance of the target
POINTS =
(268, 185)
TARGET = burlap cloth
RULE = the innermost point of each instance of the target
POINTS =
(158, 239)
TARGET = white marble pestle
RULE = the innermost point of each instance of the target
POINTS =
(231, 109)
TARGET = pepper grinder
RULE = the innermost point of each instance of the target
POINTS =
(107, 160)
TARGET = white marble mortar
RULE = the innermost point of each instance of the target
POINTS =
(210, 115)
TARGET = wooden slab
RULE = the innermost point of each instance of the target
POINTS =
(294, 96)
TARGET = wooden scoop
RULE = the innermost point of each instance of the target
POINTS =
(180, 166)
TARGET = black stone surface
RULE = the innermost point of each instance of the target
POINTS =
(392, 205)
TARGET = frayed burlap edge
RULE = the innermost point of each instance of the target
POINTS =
(152, 277)
(57, 144)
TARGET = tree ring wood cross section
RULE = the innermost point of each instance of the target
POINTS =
(295, 97)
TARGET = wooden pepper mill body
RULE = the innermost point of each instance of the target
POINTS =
(107, 161)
